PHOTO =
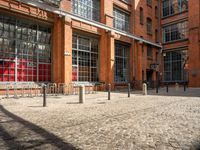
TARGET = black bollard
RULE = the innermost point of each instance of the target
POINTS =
(167, 88)
(129, 89)
(157, 87)
(44, 95)
(184, 87)
(109, 90)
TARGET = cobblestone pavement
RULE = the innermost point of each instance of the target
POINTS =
(153, 122)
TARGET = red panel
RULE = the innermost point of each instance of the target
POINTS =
(6, 70)
(40, 78)
(29, 78)
(19, 78)
(6, 64)
(35, 72)
(34, 78)
(49, 72)
(6, 78)
(40, 66)
(12, 71)
(30, 72)
(12, 65)
(44, 72)
(24, 78)
(1, 71)
(12, 78)
(25, 72)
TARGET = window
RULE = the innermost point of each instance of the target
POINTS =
(121, 20)
(89, 9)
(149, 51)
(156, 36)
(156, 12)
(149, 26)
(175, 32)
(170, 7)
(51, 2)
(85, 59)
(121, 63)
(25, 51)
(127, 1)
(174, 66)
(141, 16)
(149, 2)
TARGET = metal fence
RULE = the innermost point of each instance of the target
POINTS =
(17, 90)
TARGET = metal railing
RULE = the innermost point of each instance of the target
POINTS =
(17, 90)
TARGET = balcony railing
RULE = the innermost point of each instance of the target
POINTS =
(55, 3)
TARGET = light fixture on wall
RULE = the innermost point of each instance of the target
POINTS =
(67, 54)
(164, 54)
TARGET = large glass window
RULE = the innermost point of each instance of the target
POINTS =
(85, 59)
(89, 9)
(51, 2)
(121, 20)
(25, 52)
(175, 32)
(121, 63)
(171, 7)
(174, 66)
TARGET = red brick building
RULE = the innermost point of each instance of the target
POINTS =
(87, 41)
(180, 38)
(73, 41)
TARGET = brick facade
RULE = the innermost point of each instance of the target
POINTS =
(191, 43)
(64, 27)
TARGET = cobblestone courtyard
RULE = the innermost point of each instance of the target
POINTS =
(154, 122)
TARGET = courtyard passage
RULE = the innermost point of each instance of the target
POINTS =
(153, 122)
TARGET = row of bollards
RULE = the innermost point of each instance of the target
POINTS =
(176, 86)
(82, 92)
(81, 95)
(109, 91)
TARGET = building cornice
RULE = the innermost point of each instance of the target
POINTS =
(91, 22)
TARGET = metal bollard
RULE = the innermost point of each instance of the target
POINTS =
(184, 87)
(156, 88)
(44, 95)
(82, 94)
(129, 89)
(109, 90)
(144, 88)
(167, 88)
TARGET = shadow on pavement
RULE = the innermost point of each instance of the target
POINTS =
(17, 133)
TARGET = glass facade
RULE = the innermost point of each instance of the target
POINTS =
(121, 63)
(85, 60)
(89, 9)
(51, 2)
(25, 51)
(121, 20)
(174, 62)
(175, 32)
(171, 7)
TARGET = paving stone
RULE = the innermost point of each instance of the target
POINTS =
(159, 122)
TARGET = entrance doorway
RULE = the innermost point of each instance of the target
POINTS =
(149, 75)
